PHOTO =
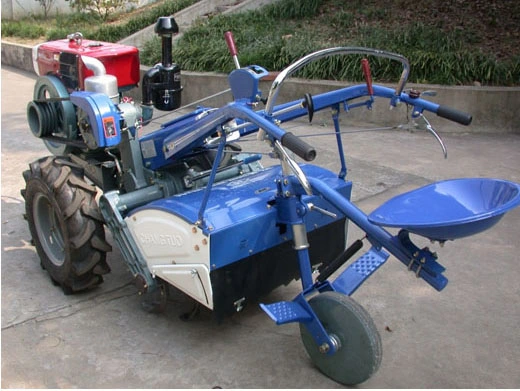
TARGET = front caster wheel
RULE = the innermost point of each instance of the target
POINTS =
(359, 345)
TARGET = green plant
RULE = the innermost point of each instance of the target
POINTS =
(266, 38)
(92, 26)
(293, 9)
(22, 29)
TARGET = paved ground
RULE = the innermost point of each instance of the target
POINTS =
(465, 337)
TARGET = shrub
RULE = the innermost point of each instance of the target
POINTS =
(103, 8)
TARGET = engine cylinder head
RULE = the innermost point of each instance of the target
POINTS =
(105, 84)
(43, 118)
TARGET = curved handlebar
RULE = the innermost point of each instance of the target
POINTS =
(277, 83)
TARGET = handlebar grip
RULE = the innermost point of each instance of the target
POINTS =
(298, 146)
(228, 35)
(454, 115)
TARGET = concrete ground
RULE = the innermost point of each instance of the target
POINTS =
(464, 337)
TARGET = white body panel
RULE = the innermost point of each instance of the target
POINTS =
(175, 251)
(191, 279)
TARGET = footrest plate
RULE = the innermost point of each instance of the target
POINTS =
(353, 276)
(283, 312)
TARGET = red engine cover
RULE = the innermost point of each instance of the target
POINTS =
(63, 58)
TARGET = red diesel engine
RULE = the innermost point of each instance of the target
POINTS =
(66, 59)
(80, 88)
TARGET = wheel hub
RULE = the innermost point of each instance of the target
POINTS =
(48, 229)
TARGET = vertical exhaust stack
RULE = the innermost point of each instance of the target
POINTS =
(162, 83)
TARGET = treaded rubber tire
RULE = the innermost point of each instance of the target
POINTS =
(65, 224)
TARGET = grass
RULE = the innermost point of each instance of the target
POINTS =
(280, 33)
(91, 25)
(450, 44)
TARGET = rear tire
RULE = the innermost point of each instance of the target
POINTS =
(65, 224)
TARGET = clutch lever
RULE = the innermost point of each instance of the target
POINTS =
(421, 123)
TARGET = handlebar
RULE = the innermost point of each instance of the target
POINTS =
(321, 101)
(277, 83)
(298, 146)
(454, 115)
(441, 110)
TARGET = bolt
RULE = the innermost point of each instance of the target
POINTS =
(194, 230)
(196, 247)
(324, 348)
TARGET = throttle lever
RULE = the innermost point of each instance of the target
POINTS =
(365, 66)
(228, 35)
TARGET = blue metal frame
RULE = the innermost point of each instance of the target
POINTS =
(179, 138)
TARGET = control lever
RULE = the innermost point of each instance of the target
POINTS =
(365, 66)
(325, 212)
(309, 104)
(413, 93)
(228, 35)
(426, 125)
(429, 93)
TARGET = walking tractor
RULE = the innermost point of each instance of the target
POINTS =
(188, 207)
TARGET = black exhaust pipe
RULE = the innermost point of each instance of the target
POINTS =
(162, 83)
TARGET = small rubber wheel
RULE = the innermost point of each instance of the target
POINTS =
(360, 351)
(65, 224)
